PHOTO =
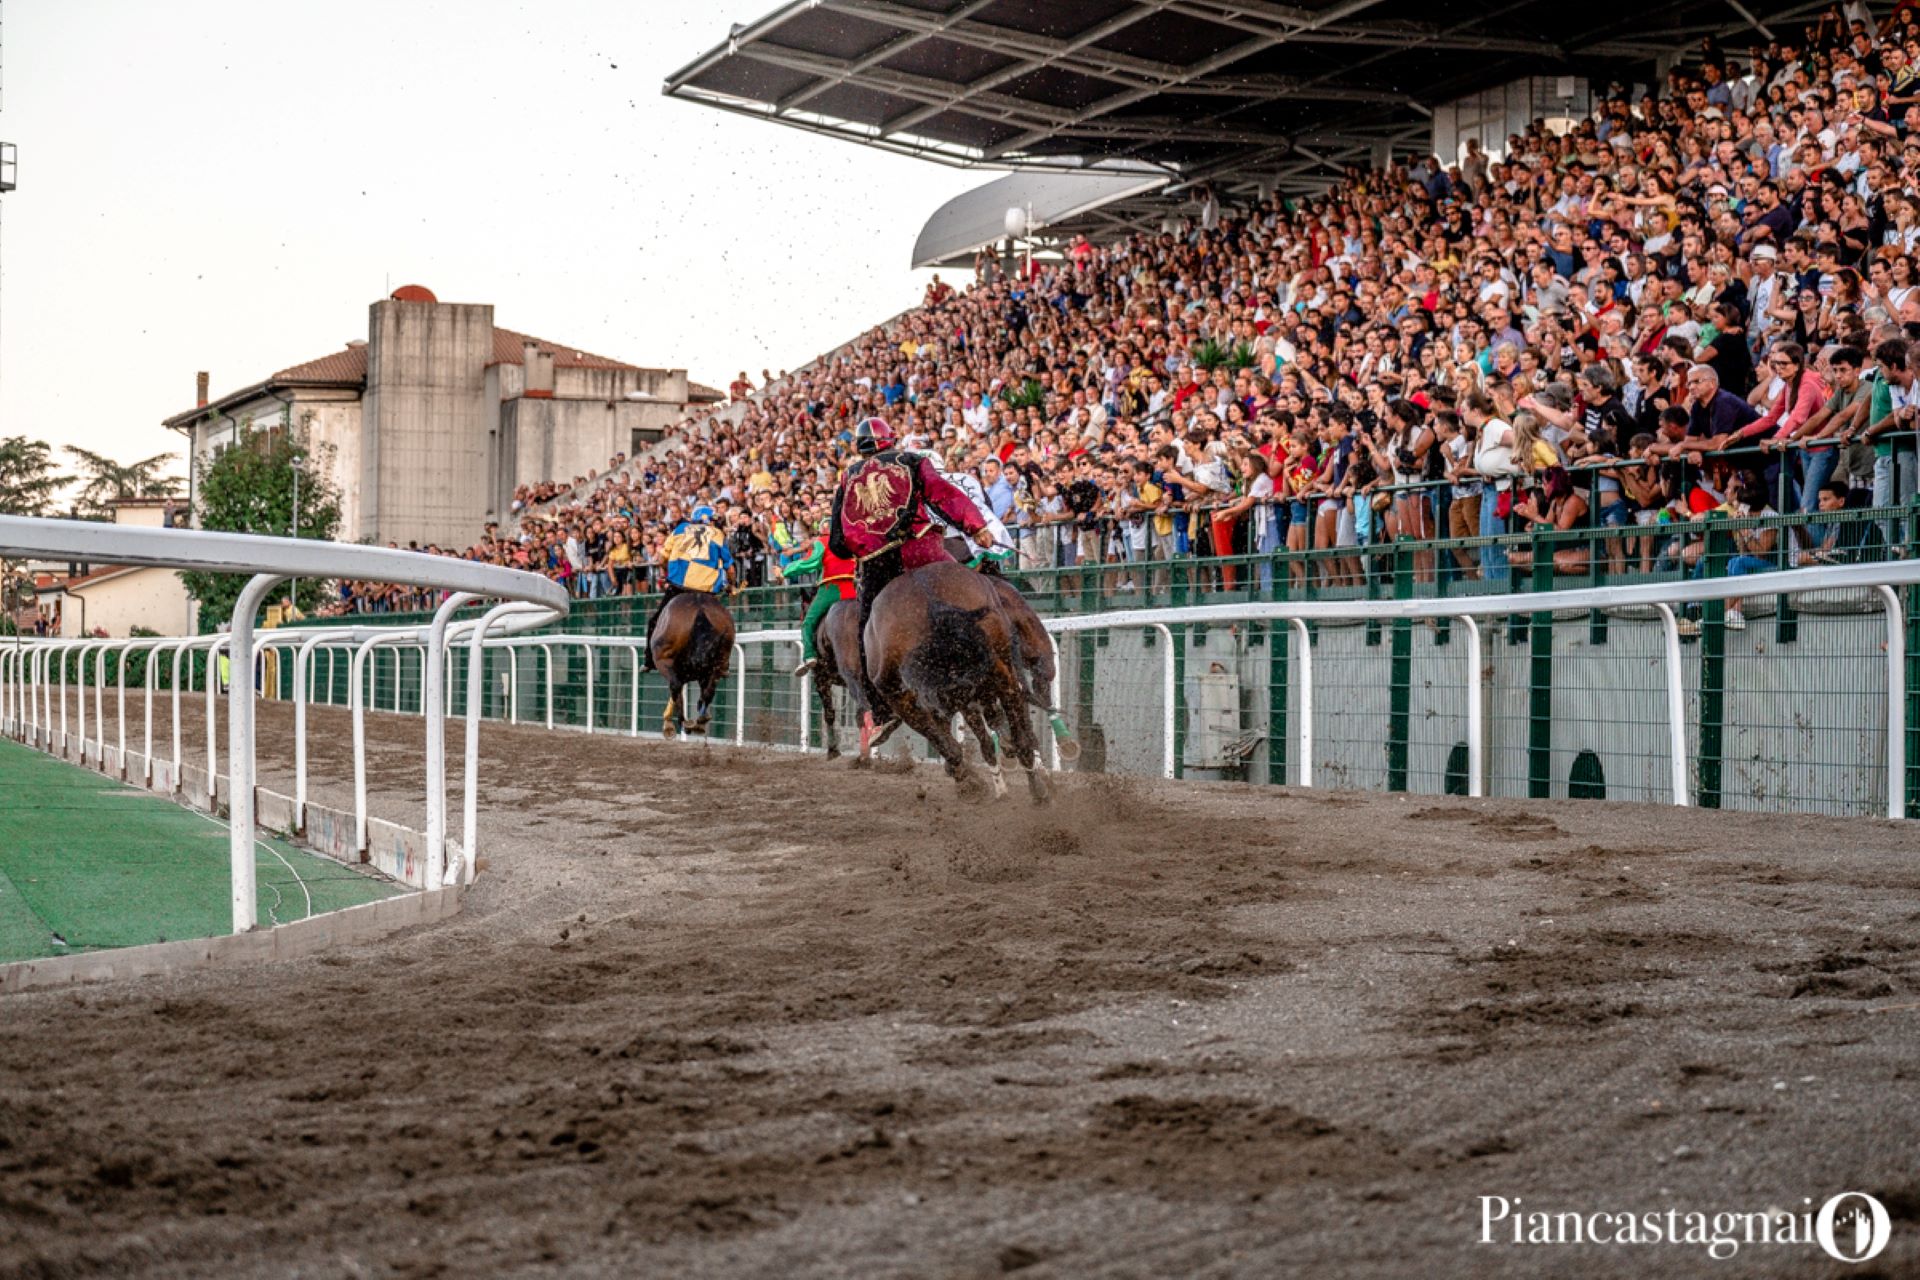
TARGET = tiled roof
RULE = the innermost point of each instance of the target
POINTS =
(508, 348)
(348, 366)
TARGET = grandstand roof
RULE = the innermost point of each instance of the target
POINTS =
(1200, 87)
(978, 217)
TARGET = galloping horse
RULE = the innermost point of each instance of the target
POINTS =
(1035, 651)
(942, 642)
(837, 665)
(692, 645)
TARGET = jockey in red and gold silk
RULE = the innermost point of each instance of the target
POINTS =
(881, 517)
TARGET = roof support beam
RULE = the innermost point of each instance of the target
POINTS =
(1119, 22)
(1257, 19)
(1206, 67)
(1101, 63)
(880, 55)
(986, 106)
(1752, 21)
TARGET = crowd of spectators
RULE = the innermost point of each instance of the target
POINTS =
(1704, 300)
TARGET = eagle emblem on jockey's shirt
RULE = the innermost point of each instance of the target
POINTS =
(870, 494)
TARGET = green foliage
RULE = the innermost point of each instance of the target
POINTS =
(1028, 395)
(137, 662)
(28, 478)
(249, 489)
(1213, 354)
(102, 481)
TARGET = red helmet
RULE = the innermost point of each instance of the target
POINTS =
(872, 435)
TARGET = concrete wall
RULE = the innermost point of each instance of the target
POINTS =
(332, 431)
(560, 439)
(426, 434)
(614, 384)
(557, 439)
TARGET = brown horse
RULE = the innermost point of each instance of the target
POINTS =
(692, 645)
(943, 642)
(836, 645)
(1035, 651)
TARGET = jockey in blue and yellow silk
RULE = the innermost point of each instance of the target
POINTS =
(697, 559)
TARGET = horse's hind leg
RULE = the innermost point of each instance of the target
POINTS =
(823, 690)
(1025, 746)
(670, 718)
(706, 703)
(989, 749)
(934, 729)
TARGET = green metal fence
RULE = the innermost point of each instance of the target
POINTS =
(1781, 713)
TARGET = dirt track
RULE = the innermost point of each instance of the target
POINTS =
(729, 1013)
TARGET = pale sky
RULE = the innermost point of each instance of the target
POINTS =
(228, 184)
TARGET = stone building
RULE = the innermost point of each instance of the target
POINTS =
(428, 426)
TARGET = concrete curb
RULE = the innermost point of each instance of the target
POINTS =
(363, 923)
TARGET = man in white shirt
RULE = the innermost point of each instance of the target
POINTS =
(1763, 290)
(974, 410)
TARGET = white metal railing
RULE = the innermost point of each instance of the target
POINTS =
(1469, 611)
(1662, 598)
(27, 691)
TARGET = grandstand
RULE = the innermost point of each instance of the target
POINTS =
(1144, 137)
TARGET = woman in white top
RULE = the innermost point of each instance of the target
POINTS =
(1493, 460)
(1407, 451)
(1903, 290)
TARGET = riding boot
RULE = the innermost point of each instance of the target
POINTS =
(646, 650)
(653, 621)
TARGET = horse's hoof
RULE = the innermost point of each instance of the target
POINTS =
(860, 762)
(833, 753)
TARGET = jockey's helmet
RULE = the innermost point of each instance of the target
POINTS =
(871, 436)
(702, 515)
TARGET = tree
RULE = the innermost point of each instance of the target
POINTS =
(249, 489)
(28, 480)
(102, 481)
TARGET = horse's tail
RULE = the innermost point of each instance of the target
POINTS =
(1027, 664)
(1027, 668)
(955, 640)
(706, 648)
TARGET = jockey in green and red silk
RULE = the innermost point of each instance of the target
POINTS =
(836, 584)
(883, 519)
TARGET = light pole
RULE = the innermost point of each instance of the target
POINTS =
(292, 583)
